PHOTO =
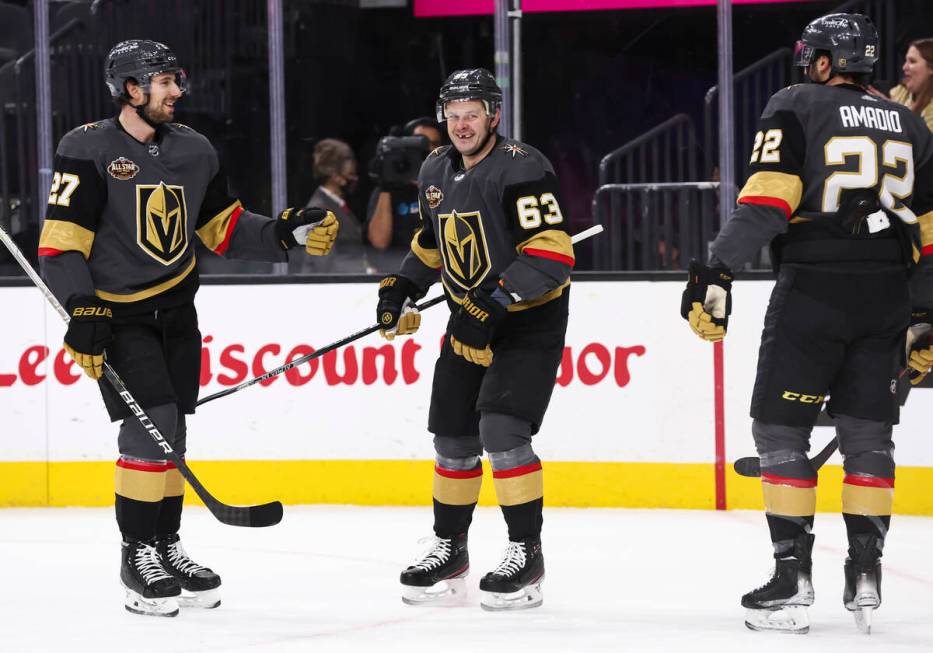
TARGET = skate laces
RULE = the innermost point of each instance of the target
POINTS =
(148, 564)
(435, 555)
(180, 560)
(512, 561)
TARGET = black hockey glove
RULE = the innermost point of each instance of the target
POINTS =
(473, 325)
(396, 312)
(88, 334)
(919, 345)
(315, 228)
(707, 301)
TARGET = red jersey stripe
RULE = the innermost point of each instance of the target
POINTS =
(49, 251)
(762, 200)
(548, 254)
(222, 247)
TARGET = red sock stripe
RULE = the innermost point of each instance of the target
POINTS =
(142, 465)
(516, 471)
(459, 473)
(868, 481)
(784, 480)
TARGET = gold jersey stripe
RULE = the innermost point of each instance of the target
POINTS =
(776, 185)
(66, 237)
(926, 229)
(869, 501)
(214, 232)
(550, 240)
(140, 485)
(148, 292)
(789, 500)
(519, 489)
(430, 257)
(517, 306)
(457, 491)
(174, 483)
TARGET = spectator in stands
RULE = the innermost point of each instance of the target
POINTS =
(334, 168)
(392, 215)
(916, 89)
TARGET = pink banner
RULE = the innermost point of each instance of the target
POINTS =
(426, 8)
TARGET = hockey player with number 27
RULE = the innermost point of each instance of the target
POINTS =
(492, 231)
(128, 195)
(841, 185)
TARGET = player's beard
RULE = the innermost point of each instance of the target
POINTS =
(157, 115)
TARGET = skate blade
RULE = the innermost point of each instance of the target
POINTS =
(863, 619)
(790, 619)
(523, 599)
(450, 592)
(137, 604)
(207, 599)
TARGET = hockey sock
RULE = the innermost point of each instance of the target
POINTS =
(457, 482)
(867, 502)
(170, 509)
(140, 485)
(519, 483)
(790, 502)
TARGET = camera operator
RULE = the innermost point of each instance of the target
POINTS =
(392, 215)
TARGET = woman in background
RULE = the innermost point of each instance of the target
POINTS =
(916, 89)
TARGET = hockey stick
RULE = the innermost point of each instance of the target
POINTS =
(267, 514)
(583, 235)
(750, 466)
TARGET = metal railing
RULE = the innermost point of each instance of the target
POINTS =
(666, 153)
(654, 226)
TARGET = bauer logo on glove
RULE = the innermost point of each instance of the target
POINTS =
(707, 301)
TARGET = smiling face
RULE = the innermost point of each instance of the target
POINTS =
(917, 72)
(468, 125)
(163, 94)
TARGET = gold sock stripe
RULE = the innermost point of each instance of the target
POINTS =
(457, 487)
(174, 482)
(789, 500)
(867, 500)
(140, 481)
(519, 485)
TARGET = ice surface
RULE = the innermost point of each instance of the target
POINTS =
(326, 579)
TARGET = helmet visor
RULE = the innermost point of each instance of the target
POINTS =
(803, 54)
(181, 79)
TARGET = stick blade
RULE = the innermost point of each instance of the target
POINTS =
(267, 514)
(749, 467)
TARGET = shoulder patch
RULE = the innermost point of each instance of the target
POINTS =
(437, 151)
(181, 126)
(90, 125)
(514, 149)
(434, 196)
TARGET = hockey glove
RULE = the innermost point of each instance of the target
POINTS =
(473, 325)
(314, 227)
(396, 311)
(707, 301)
(88, 334)
(919, 345)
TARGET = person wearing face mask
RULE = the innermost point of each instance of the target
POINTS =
(334, 168)
(916, 89)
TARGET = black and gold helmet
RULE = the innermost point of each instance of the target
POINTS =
(850, 40)
(470, 84)
(139, 60)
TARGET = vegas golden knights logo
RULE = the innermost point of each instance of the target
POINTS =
(466, 254)
(161, 221)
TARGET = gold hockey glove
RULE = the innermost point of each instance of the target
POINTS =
(88, 334)
(314, 227)
(396, 311)
(919, 345)
(473, 325)
(707, 301)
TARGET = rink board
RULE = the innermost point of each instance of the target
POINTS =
(630, 424)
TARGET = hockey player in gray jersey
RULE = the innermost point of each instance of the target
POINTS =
(493, 232)
(841, 185)
(128, 196)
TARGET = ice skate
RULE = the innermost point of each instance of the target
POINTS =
(862, 594)
(437, 577)
(150, 590)
(516, 583)
(199, 585)
(780, 605)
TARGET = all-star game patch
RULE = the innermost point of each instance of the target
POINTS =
(514, 149)
(434, 196)
(122, 169)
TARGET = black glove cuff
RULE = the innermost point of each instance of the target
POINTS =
(88, 308)
(477, 319)
(920, 315)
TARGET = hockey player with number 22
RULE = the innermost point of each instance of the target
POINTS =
(841, 185)
(128, 195)
(492, 231)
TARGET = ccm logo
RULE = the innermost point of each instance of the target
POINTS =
(804, 399)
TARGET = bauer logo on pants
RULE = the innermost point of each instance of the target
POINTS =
(161, 221)
(466, 254)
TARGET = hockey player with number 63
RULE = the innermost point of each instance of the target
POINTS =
(841, 185)
(128, 195)
(492, 231)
